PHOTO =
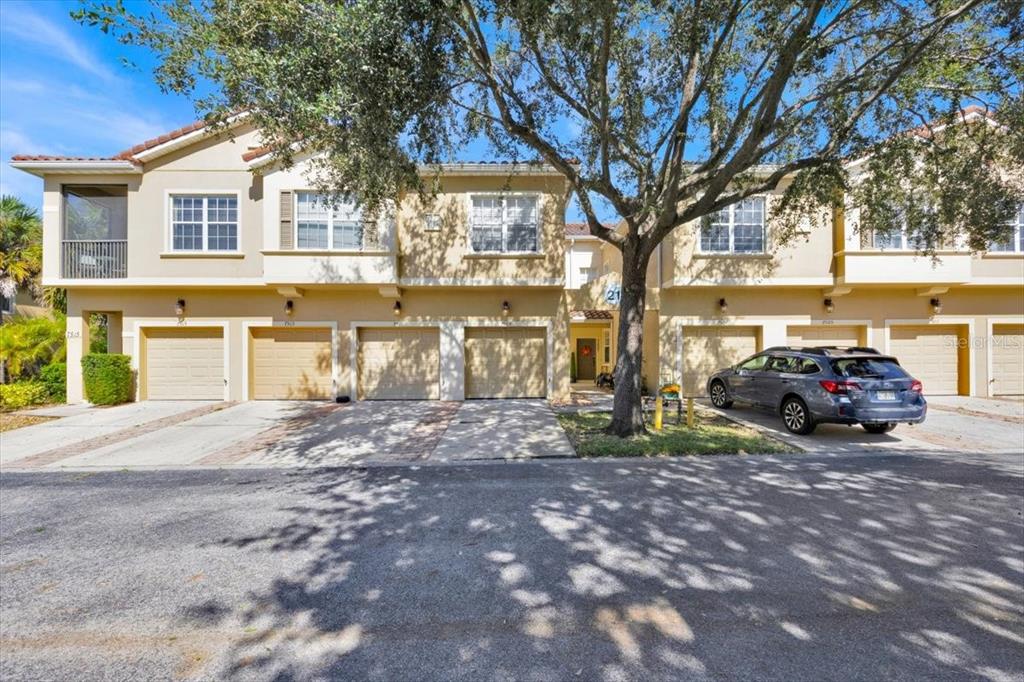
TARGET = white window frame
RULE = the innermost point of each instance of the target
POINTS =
(706, 223)
(169, 197)
(537, 196)
(1016, 245)
(330, 227)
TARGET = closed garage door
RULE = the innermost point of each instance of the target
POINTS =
(824, 335)
(929, 353)
(709, 349)
(506, 363)
(290, 363)
(1008, 359)
(184, 364)
(399, 364)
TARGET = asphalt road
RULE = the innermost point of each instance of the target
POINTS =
(815, 568)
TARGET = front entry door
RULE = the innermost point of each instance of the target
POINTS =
(586, 359)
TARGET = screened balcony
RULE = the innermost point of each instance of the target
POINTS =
(94, 239)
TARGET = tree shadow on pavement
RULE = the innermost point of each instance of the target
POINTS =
(905, 566)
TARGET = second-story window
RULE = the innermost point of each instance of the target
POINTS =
(204, 222)
(738, 228)
(321, 225)
(1014, 241)
(504, 224)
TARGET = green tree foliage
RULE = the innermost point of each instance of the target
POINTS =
(28, 343)
(663, 111)
(21, 245)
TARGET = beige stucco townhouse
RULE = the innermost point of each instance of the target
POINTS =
(225, 276)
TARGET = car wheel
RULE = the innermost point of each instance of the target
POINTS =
(878, 428)
(796, 417)
(719, 398)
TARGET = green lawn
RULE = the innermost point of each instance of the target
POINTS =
(711, 435)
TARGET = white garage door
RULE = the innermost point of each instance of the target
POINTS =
(824, 335)
(184, 363)
(399, 364)
(929, 353)
(709, 349)
(1007, 359)
(290, 363)
(506, 363)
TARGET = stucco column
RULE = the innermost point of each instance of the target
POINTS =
(774, 333)
(453, 361)
(77, 346)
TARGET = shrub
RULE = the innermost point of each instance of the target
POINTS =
(107, 378)
(55, 377)
(22, 394)
(31, 342)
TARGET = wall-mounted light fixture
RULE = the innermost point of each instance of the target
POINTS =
(830, 307)
(179, 307)
(936, 306)
(505, 308)
(289, 307)
(723, 306)
(397, 308)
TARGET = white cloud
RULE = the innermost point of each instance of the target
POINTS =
(32, 28)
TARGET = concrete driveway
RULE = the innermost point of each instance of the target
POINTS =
(954, 423)
(286, 434)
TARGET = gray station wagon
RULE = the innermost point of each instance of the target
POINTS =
(809, 386)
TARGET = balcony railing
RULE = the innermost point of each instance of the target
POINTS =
(94, 259)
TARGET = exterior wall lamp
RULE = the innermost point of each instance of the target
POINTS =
(179, 307)
(723, 306)
(830, 307)
(936, 306)
(397, 308)
(289, 307)
(505, 308)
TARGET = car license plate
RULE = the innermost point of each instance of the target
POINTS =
(885, 395)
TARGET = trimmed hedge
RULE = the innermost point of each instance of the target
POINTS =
(22, 394)
(55, 377)
(107, 378)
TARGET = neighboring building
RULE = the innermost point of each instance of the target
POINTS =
(22, 304)
(225, 277)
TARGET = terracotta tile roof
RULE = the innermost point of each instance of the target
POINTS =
(581, 229)
(593, 314)
(255, 153)
(56, 157)
(129, 154)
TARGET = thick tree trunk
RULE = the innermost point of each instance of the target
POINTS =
(627, 413)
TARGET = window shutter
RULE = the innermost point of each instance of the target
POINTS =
(287, 231)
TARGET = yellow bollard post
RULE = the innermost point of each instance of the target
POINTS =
(659, 408)
(689, 413)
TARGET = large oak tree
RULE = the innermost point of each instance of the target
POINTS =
(663, 111)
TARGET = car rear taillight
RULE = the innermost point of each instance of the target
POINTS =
(839, 387)
(916, 386)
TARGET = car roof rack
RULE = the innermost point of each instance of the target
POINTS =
(823, 350)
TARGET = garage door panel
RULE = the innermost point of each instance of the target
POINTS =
(709, 349)
(506, 362)
(929, 354)
(1007, 359)
(399, 364)
(184, 364)
(291, 363)
(824, 335)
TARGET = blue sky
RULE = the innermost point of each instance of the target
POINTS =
(64, 90)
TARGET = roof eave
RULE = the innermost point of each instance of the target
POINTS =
(71, 167)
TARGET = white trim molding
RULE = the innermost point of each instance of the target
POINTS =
(179, 323)
(270, 323)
